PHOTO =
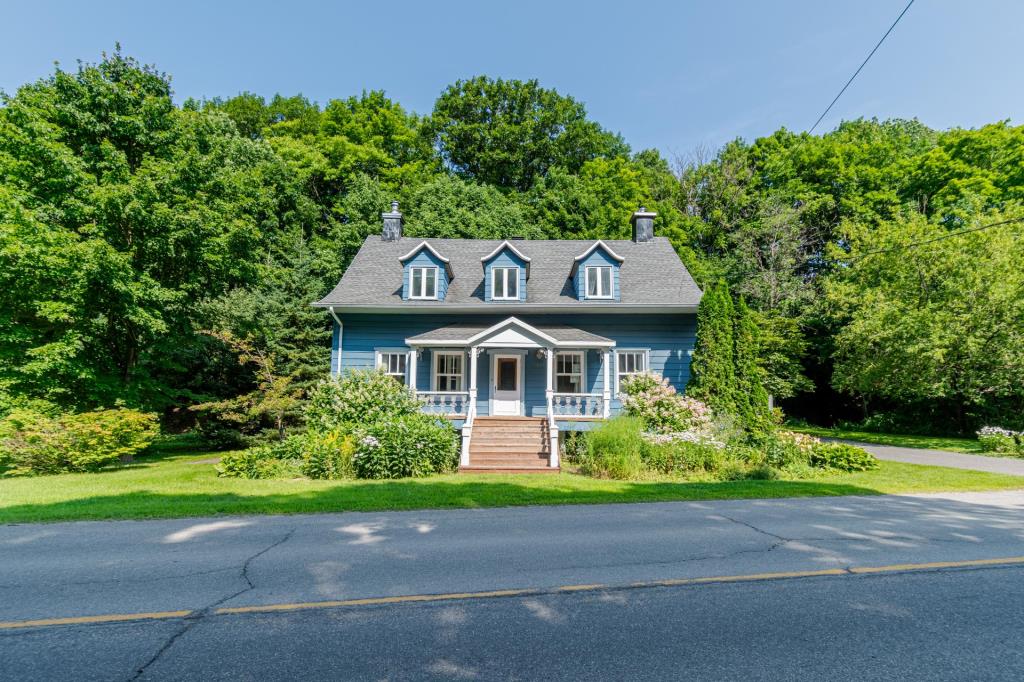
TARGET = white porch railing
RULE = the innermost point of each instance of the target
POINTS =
(578, 404)
(447, 403)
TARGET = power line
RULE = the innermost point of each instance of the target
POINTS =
(863, 64)
(940, 238)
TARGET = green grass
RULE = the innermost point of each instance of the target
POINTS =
(968, 445)
(173, 484)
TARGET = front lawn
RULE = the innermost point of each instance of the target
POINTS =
(177, 484)
(968, 445)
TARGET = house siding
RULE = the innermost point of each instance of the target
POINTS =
(598, 257)
(669, 340)
(505, 258)
(424, 259)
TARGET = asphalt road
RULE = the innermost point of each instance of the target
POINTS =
(953, 623)
(943, 458)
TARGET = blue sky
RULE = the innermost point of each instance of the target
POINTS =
(670, 75)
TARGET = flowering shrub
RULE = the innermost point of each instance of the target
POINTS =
(412, 445)
(650, 397)
(35, 443)
(996, 439)
(359, 397)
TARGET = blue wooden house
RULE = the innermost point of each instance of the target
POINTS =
(515, 340)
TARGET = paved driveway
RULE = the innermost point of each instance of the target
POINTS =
(943, 458)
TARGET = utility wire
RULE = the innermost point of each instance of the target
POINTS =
(940, 238)
(863, 64)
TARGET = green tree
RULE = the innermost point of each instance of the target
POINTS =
(508, 133)
(451, 207)
(939, 324)
(713, 366)
(750, 394)
(136, 210)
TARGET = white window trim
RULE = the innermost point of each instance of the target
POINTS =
(379, 354)
(494, 275)
(586, 282)
(433, 368)
(615, 358)
(583, 368)
(423, 282)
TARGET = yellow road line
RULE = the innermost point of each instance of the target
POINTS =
(894, 568)
(374, 601)
(456, 596)
(79, 620)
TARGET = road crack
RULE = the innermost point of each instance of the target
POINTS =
(188, 622)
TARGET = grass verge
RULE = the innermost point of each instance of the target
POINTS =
(949, 443)
(173, 484)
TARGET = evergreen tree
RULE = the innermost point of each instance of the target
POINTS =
(750, 394)
(712, 370)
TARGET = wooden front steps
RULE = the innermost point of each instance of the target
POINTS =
(510, 445)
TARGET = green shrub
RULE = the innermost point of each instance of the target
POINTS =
(274, 460)
(574, 446)
(616, 449)
(36, 443)
(842, 456)
(414, 444)
(328, 456)
(219, 434)
(682, 457)
(359, 397)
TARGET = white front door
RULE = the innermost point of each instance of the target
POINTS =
(506, 387)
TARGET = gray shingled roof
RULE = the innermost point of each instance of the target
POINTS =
(461, 331)
(650, 275)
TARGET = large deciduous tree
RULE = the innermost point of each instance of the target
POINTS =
(941, 322)
(118, 212)
(508, 133)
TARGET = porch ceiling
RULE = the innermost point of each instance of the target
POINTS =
(512, 332)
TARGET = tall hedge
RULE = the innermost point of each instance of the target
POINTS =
(749, 392)
(712, 370)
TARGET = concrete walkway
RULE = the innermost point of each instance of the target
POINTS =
(943, 458)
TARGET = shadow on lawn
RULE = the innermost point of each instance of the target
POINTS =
(411, 494)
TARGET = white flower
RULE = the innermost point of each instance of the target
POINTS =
(370, 442)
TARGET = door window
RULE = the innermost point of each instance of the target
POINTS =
(508, 374)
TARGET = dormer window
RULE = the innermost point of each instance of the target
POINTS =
(599, 281)
(504, 284)
(423, 282)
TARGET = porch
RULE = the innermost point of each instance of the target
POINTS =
(551, 373)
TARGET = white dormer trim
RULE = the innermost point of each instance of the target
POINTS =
(501, 247)
(426, 245)
(419, 248)
(607, 249)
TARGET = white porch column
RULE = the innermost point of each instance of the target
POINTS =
(467, 426)
(549, 353)
(606, 397)
(411, 368)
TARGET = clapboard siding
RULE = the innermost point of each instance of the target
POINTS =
(669, 339)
